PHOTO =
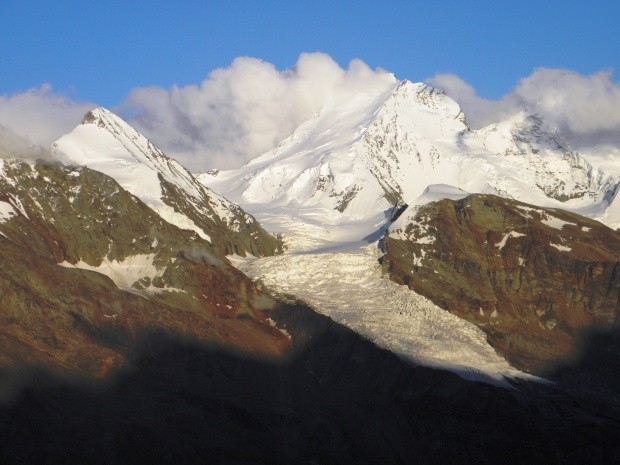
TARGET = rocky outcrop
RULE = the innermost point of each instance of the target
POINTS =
(87, 267)
(535, 280)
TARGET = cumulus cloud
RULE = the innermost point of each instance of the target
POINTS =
(41, 116)
(586, 109)
(245, 109)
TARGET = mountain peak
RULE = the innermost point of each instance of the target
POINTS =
(106, 119)
(426, 98)
(95, 114)
(100, 115)
(107, 143)
(353, 163)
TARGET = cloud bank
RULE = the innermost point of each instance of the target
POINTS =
(243, 110)
(586, 109)
(14, 146)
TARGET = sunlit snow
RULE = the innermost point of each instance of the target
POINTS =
(501, 244)
(556, 223)
(561, 248)
(6, 211)
(124, 273)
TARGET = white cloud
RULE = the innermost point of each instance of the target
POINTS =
(41, 116)
(14, 146)
(243, 110)
(586, 109)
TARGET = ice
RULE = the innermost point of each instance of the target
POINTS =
(350, 288)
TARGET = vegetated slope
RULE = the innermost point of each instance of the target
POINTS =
(87, 267)
(106, 143)
(536, 280)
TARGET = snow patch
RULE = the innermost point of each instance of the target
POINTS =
(561, 247)
(501, 244)
(556, 223)
(124, 273)
(6, 211)
(282, 330)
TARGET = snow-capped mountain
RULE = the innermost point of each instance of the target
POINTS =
(106, 143)
(343, 177)
(356, 160)
(525, 141)
(121, 269)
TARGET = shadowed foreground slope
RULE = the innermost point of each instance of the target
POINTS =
(336, 399)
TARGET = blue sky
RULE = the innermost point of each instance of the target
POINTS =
(173, 69)
(99, 51)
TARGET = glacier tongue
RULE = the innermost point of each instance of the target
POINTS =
(335, 269)
(348, 286)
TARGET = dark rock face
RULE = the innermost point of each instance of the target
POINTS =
(533, 279)
(170, 278)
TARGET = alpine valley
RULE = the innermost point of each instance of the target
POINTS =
(387, 285)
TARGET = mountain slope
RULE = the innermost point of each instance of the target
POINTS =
(535, 280)
(87, 267)
(104, 142)
(526, 141)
